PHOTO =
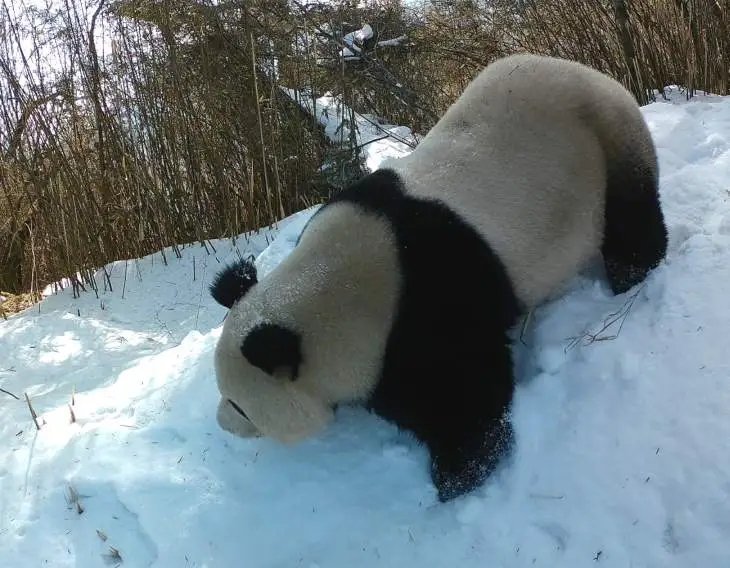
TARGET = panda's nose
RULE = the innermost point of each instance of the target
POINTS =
(238, 409)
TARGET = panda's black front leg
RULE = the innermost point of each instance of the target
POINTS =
(463, 463)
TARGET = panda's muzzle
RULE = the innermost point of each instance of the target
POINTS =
(238, 409)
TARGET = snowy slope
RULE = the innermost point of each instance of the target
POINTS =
(623, 455)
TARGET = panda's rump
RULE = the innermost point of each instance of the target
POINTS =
(542, 208)
(536, 195)
(527, 156)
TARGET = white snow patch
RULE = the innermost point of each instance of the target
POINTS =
(286, 240)
(377, 141)
(353, 38)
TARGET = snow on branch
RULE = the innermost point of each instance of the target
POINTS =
(375, 68)
(377, 141)
(354, 41)
(395, 42)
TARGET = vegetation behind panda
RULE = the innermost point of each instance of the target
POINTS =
(539, 166)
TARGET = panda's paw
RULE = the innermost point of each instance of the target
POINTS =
(453, 480)
(456, 470)
(622, 276)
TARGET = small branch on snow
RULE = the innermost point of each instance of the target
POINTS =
(73, 499)
(200, 297)
(32, 411)
(9, 393)
(389, 134)
(112, 557)
(358, 147)
(618, 316)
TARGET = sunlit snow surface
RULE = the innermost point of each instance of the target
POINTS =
(623, 453)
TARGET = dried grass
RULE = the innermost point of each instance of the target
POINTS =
(161, 123)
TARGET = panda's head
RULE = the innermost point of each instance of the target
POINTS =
(257, 363)
(310, 335)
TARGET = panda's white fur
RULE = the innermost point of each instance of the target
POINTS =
(522, 156)
(356, 279)
(519, 166)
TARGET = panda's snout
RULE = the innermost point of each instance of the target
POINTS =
(238, 409)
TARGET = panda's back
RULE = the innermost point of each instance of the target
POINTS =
(523, 156)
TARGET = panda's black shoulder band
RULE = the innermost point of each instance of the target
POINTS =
(232, 283)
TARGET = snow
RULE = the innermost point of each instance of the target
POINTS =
(353, 38)
(286, 239)
(623, 445)
(377, 141)
(394, 42)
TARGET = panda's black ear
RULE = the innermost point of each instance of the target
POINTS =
(232, 283)
(270, 346)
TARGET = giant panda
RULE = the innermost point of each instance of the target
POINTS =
(402, 290)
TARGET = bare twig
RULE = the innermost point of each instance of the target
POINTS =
(618, 316)
(113, 556)
(525, 325)
(9, 393)
(32, 411)
(73, 499)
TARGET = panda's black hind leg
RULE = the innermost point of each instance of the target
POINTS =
(460, 468)
(635, 236)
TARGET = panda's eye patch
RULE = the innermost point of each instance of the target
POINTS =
(270, 346)
(238, 409)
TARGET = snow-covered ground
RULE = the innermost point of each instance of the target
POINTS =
(623, 454)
